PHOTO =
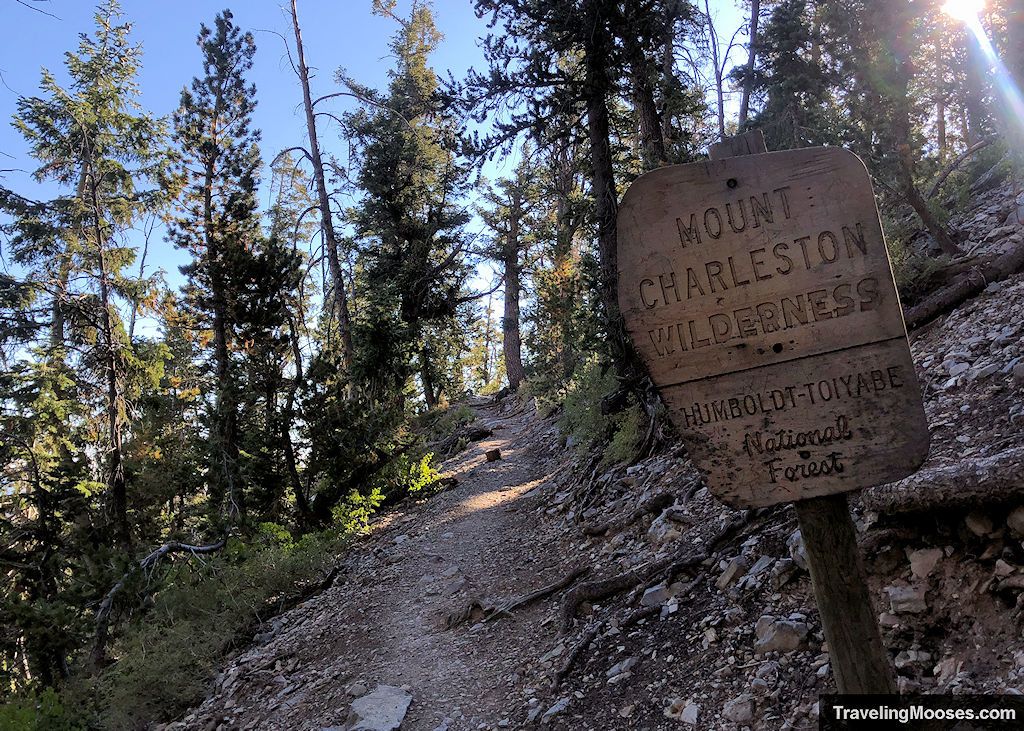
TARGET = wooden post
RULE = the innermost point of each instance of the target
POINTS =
(860, 663)
(859, 660)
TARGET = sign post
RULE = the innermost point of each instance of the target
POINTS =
(757, 288)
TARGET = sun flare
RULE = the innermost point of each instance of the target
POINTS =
(964, 10)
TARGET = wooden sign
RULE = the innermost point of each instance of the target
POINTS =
(758, 291)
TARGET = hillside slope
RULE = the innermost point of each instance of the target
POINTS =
(691, 614)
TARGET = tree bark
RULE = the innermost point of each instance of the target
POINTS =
(748, 71)
(427, 380)
(117, 485)
(511, 336)
(901, 135)
(967, 285)
(720, 95)
(652, 141)
(287, 417)
(973, 101)
(339, 299)
(990, 480)
(597, 86)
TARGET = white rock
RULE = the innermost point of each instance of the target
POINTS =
(778, 635)
(560, 705)
(760, 565)
(381, 710)
(739, 710)
(978, 523)
(797, 552)
(732, 573)
(1018, 374)
(621, 667)
(906, 658)
(906, 599)
(690, 714)
(1015, 520)
(923, 561)
(985, 372)
(956, 369)
(662, 532)
(655, 596)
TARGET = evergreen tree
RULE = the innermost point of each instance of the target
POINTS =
(873, 44)
(218, 224)
(409, 222)
(74, 370)
(795, 86)
(510, 213)
(555, 57)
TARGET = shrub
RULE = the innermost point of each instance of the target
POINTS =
(165, 660)
(913, 270)
(45, 711)
(581, 410)
(627, 434)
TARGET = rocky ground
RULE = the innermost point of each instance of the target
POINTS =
(716, 627)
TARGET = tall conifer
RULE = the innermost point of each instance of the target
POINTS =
(219, 226)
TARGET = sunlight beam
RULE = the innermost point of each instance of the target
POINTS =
(964, 10)
(1008, 93)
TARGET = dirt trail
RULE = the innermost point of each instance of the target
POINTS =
(384, 621)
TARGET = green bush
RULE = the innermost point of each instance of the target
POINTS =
(439, 423)
(581, 409)
(628, 433)
(45, 711)
(165, 660)
(913, 270)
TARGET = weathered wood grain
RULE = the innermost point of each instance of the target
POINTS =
(758, 291)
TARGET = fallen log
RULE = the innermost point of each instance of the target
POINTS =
(993, 479)
(976, 147)
(965, 286)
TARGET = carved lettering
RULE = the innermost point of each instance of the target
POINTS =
(688, 234)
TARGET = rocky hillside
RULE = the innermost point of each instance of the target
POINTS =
(540, 591)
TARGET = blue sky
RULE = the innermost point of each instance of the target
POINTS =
(336, 33)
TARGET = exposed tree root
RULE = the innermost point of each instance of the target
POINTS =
(654, 504)
(593, 590)
(994, 479)
(576, 654)
(565, 581)
(479, 612)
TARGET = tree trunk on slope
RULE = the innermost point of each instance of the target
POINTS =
(748, 71)
(511, 337)
(339, 299)
(597, 86)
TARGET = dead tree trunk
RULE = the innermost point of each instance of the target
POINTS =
(965, 286)
(748, 70)
(995, 479)
(339, 299)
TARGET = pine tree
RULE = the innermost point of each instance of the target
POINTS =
(218, 224)
(90, 137)
(409, 222)
(510, 212)
(794, 84)
(873, 45)
(558, 57)
(73, 369)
